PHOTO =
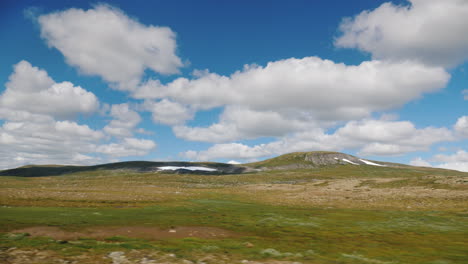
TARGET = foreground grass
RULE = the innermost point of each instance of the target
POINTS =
(318, 235)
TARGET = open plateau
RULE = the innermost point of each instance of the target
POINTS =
(308, 207)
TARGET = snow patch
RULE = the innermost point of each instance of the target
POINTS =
(372, 163)
(345, 160)
(192, 168)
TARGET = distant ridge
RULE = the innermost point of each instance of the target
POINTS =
(291, 161)
(137, 166)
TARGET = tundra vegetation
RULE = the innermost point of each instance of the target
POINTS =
(297, 208)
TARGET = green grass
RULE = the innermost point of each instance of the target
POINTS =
(332, 234)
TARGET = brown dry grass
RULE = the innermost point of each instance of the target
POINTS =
(108, 189)
(354, 193)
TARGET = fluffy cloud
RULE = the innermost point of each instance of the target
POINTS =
(125, 120)
(242, 123)
(459, 166)
(369, 137)
(37, 129)
(456, 161)
(46, 141)
(168, 112)
(459, 156)
(327, 90)
(465, 94)
(72, 129)
(290, 96)
(104, 41)
(430, 31)
(461, 127)
(380, 137)
(228, 151)
(31, 90)
(420, 162)
(127, 147)
(30, 133)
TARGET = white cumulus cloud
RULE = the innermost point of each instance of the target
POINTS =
(46, 141)
(403, 137)
(242, 123)
(168, 112)
(459, 156)
(124, 122)
(433, 32)
(380, 137)
(420, 162)
(461, 127)
(128, 147)
(456, 161)
(327, 90)
(72, 129)
(289, 96)
(106, 42)
(30, 89)
(39, 128)
(459, 166)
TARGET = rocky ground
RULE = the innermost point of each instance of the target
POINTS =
(19, 256)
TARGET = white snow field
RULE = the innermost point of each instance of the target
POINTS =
(372, 163)
(349, 161)
(192, 168)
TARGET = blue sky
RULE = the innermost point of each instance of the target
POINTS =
(93, 82)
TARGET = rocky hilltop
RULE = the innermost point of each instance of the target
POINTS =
(313, 159)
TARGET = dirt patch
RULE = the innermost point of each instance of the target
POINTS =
(150, 233)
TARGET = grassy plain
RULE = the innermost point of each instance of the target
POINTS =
(335, 214)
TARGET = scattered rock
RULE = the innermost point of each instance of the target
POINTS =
(271, 252)
(147, 261)
(248, 244)
(118, 257)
